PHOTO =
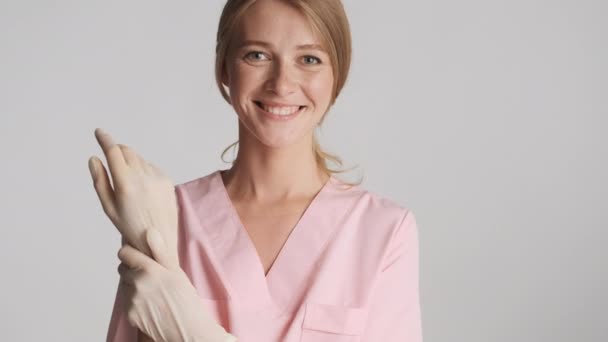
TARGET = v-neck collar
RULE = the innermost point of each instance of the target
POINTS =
(301, 221)
(240, 261)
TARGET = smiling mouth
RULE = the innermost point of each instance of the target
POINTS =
(260, 105)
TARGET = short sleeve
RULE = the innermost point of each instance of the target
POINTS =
(120, 330)
(395, 301)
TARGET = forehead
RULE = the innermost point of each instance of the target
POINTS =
(276, 22)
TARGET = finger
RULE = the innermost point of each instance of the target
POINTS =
(131, 157)
(103, 188)
(128, 275)
(113, 153)
(134, 258)
(122, 268)
(159, 249)
(149, 168)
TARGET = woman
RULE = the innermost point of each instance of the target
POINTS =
(275, 248)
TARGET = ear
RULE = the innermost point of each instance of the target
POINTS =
(225, 78)
(226, 85)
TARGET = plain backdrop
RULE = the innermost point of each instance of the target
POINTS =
(486, 118)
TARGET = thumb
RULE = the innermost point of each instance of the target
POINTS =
(159, 249)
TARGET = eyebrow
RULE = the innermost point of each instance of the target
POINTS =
(299, 47)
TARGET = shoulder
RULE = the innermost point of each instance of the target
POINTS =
(372, 208)
(388, 225)
(201, 180)
(374, 225)
(373, 222)
(195, 189)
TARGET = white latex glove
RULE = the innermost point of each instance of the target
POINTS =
(161, 302)
(142, 198)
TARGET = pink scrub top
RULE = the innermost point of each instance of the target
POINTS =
(347, 272)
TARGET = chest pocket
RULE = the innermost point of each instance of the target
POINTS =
(333, 323)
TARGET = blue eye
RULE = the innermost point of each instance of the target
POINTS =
(254, 53)
(318, 60)
(308, 59)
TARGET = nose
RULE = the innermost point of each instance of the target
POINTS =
(282, 80)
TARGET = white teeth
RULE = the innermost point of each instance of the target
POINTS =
(281, 110)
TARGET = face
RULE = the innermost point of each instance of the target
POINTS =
(279, 77)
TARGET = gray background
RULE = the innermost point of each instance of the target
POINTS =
(486, 118)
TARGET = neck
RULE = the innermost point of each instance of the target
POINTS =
(267, 174)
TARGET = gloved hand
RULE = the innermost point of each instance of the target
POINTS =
(142, 197)
(161, 301)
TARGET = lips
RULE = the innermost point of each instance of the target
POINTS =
(283, 115)
(274, 104)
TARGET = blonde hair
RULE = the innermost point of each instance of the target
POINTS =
(328, 19)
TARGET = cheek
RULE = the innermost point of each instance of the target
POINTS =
(244, 73)
(320, 88)
(244, 80)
